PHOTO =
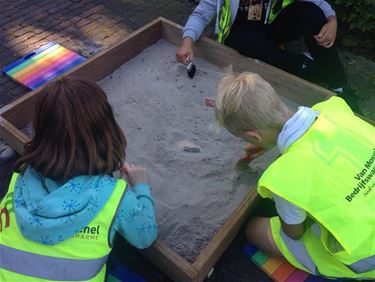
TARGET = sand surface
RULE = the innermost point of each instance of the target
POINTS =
(162, 113)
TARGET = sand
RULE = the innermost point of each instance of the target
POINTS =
(173, 135)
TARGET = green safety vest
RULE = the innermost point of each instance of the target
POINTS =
(330, 173)
(276, 7)
(225, 16)
(224, 22)
(80, 258)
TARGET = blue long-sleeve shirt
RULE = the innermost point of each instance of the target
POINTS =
(54, 212)
(135, 220)
(207, 9)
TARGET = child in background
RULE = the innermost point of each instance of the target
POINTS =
(64, 207)
(323, 184)
(278, 22)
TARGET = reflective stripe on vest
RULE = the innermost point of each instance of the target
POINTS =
(85, 251)
(364, 265)
(224, 22)
(299, 252)
(330, 173)
(49, 268)
(276, 6)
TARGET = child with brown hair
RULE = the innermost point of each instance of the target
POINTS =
(64, 207)
(323, 184)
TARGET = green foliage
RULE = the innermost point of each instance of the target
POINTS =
(356, 14)
(349, 41)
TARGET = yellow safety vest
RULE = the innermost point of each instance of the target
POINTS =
(224, 22)
(276, 7)
(225, 16)
(80, 258)
(330, 173)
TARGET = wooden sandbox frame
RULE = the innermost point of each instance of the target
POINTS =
(17, 115)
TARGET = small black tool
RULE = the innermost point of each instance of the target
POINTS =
(191, 69)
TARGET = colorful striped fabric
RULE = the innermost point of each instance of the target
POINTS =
(46, 63)
(280, 270)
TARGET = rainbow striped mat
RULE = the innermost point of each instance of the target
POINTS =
(42, 65)
(116, 272)
(280, 270)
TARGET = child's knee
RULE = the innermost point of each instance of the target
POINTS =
(250, 227)
(259, 233)
(256, 228)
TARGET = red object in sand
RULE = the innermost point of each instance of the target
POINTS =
(209, 102)
(255, 150)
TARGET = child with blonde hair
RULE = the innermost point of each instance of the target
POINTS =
(64, 206)
(322, 184)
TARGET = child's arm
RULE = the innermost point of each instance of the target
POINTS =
(324, 6)
(136, 220)
(200, 19)
(292, 218)
(294, 231)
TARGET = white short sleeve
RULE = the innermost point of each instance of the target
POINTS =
(290, 213)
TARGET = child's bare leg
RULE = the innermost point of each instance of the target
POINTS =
(258, 233)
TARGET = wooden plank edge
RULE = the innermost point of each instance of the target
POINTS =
(20, 116)
(365, 119)
(216, 247)
(14, 111)
(151, 32)
(13, 136)
(170, 262)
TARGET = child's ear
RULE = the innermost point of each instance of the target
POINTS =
(254, 136)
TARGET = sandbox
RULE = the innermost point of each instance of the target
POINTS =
(201, 201)
(162, 113)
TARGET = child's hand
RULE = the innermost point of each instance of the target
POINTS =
(185, 53)
(251, 152)
(327, 35)
(136, 174)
